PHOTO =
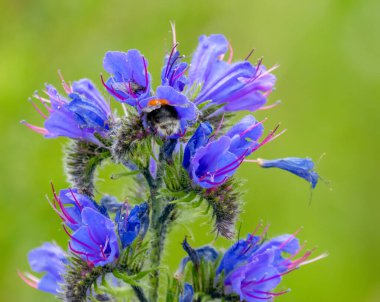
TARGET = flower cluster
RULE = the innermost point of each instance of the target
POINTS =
(251, 269)
(181, 145)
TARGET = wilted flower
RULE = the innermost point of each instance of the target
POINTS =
(302, 167)
(81, 116)
(51, 260)
(130, 224)
(211, 162)
(130, 81)
(235, 86)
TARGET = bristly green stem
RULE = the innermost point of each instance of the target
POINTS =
(158, 225)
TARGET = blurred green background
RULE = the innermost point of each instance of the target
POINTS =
(329, 52)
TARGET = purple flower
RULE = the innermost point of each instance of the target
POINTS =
(95, 241)
(302, 167)
(130, 224)
(254, 267)
(69, 206)
(81, 116)
(211, 162)
(235, 86)
(168, 112)
(130, 81)
(51, 260)
(187, 294)
(172, 73)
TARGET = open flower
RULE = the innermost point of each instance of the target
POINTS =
(81, 116)
(302, 167)
(130, 81)
(51, 260)
(211, 162)
(95, 241)
(69, 205)
(253, 268)
(233, 86)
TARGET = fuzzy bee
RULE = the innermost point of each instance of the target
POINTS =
(162, 118)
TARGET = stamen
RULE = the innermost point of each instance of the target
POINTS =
(231, 53)
(172, 25)
(253, 126)
(275, 104)
(31, 280)
(219, 126)
(38, 109)
(65, 86)
(146, 74)
(76, 200)
(291, 237)
(249, 55)
(39, 130)
(170, 57)
(78, 241)
(324, 255)
(62, 207)
(111, 89)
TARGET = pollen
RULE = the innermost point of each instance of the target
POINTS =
(157, 102)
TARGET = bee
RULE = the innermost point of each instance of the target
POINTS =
(162, 118)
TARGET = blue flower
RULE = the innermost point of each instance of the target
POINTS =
(172, 73)
(130, 81)
(205, 253)
(130, 224)
(210, 162)
(234, 86)
(81, 116)
(254, 267)
(168, 112)
(187, 294)
(95, 241)
(302, 167)
(51, 260)
(69, 206)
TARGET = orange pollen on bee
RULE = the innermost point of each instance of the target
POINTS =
(157, 102)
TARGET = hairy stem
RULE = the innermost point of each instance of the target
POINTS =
(158, 226)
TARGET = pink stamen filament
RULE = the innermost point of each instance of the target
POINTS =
(180, 74)
(231, 53)
(291, 237)
(82, 253)
(37, 129)
(78, 241)
(112, 90)
(38, 110)
(76, 200)
(146, 74)
(65, 86)
(253, 127)
(30, 279)
(275, 104)
(170, 57)
(272, 294)
(62, 207)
